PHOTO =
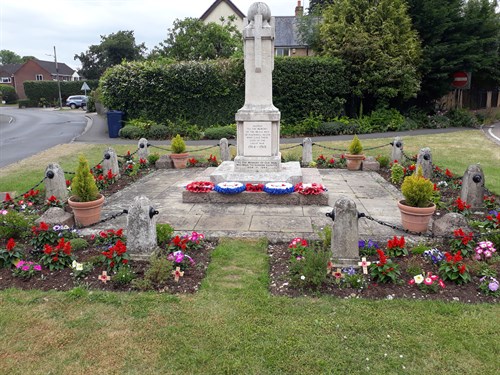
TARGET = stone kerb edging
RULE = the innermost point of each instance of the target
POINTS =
(293, 199)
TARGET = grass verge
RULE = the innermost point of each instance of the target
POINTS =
(234, 326)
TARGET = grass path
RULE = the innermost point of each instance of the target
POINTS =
(234, 326)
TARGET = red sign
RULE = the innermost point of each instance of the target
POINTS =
(460, 80)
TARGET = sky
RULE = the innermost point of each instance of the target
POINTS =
(34, 27)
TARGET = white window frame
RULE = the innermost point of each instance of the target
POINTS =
(283, 51)
(6, 80)
(39, 77)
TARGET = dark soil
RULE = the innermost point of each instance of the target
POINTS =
(64, 280)
(281, 285)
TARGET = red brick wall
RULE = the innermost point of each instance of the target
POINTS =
(28, 72)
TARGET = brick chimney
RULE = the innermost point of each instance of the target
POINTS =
(299, 9)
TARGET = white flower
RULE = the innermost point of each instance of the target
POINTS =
(302, 277)
(418, 279)
(77, 266)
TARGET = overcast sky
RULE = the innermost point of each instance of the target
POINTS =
(34, 27)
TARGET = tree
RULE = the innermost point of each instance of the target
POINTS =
(192, 39)
(9, 57)
(112, 50)
(378, 45)
(455, 36)
(315, 5)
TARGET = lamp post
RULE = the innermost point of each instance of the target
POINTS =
(57, 77)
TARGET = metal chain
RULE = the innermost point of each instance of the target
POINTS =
(375, 147)
(408, 157)
(329, 148)
(126, 156)
(206, 148)
(114, 216)
(430, 235)
(160, 148)
(5, 204)
(289, 148)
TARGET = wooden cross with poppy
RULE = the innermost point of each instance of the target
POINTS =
(364, 264)
(104, 277)
(177, 274)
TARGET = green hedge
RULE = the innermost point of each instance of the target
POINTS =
(8, 93)
(211, 92)
(35, 90)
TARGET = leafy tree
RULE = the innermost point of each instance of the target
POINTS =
(9, 57)
(315, 5)
(192, 39)
(112, 50)
(456, 35)
(376, 41)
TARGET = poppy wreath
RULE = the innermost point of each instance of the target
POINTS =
(310, 189)
(254, 188)
(278, 188)
(229, 187)
(200, 187)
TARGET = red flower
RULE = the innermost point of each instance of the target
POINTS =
(448, 173)
(68, 183)
(10, 244)
(112, 264)
(44, 226)
(47, 249)
(7, 198)
(458, 257)
(448, 257)
(124, 261)
(55, 258)
(383, 258)
(462, 269)
(119, 232)
(103, 234)
(412, 167)
(435, 187)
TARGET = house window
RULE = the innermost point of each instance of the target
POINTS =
(39, 77)
(6, 80)
(283, 52)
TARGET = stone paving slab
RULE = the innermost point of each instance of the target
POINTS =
(277, 222)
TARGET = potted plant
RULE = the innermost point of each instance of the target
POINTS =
(86, 200)
(355, 156)
(179, 156)
(417, 207)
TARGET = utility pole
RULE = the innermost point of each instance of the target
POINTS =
(57, 77)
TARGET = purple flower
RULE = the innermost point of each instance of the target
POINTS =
(37, 267)
(361, 243)
(350, 271)
(493, 286)
(179, 257)
(372, 243)
(26, 268)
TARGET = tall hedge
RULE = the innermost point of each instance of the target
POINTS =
(210, 92)
(8, 93)
(35, 90)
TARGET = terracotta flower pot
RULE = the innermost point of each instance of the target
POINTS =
(179, 160)
(86, 213)
(416, 219)
(354, 161)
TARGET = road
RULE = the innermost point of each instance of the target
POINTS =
(25, 132)
(493, 131)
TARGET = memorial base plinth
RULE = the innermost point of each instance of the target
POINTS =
(289, 172)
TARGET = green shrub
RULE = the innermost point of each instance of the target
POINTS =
(124, 276)
(437, 122)
(193, 132)
(142, 284)
(16, 225)
(462, 118)
(8, 94)
(24, 103)
(131, 132)
(164, 234)
(397, 173)
(417, 189)
(382, 120)
(355, 147)
(83, 185)
(310, 271)
(220, 132)
(49, 90)
(310, 125)
(410, 124)
(78, 244)
(159, 270)
(383, 160)
(159, 132)
(153, 158)
(142, 124)
(178, 145)
(91, 103)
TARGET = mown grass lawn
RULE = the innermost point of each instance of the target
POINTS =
(234, 326)
(455, 151)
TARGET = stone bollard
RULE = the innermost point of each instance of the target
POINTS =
(473, 186)
(141, 229)
(110, 162)
(307, 151)
(55, 182)
(143, 148)
(345, 234)
(424, 158)
(397, 150)
(225, 155)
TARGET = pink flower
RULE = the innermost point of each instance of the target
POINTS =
(441, 283)
(37, 267)
(26, 268)
(487, 254)
(428, 281)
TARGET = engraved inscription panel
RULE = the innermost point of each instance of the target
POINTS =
(257, 139)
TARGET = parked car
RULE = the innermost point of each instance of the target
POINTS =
(77, 101)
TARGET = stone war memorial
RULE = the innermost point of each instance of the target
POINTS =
(258, 158)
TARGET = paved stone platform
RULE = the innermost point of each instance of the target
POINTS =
(371, 193)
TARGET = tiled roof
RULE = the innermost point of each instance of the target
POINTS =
(10, 68)
(50, 66)
(216, 3)
(286, 32)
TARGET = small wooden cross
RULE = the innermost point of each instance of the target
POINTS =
(104, 277)
(177, 274)
(364, 264)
